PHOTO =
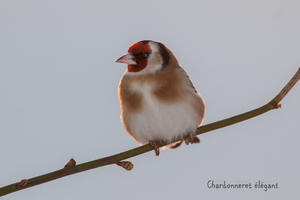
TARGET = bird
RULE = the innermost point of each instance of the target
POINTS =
(157, 98)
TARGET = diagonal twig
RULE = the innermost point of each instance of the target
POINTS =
(72, 168)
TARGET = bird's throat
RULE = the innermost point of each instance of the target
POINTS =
(136, 68)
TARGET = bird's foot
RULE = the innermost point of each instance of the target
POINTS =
(191, 139)
(155, 147)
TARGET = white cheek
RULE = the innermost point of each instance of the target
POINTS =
(154, 62)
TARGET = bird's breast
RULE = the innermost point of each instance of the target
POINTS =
(135, 90)
(158, 117)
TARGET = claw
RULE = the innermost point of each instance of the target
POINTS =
(155, 147)
(196, 140)
(191, 138)
(186, 140)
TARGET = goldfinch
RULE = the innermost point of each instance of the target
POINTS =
(158, 100)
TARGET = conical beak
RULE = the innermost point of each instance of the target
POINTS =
(127, 59)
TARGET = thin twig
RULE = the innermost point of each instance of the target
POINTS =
(72, 168)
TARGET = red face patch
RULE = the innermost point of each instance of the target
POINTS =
(139, 50)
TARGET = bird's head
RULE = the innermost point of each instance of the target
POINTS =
(146, 57)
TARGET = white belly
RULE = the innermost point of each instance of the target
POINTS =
(163, 121)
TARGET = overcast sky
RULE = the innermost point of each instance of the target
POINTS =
(58, 96)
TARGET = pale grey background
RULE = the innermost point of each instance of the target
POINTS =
(58, 89)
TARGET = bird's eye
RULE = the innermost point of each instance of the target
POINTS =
(142, 55)
(146, 54)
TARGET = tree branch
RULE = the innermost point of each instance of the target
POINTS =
(72, 168)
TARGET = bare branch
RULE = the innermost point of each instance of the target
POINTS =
(72, 168)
